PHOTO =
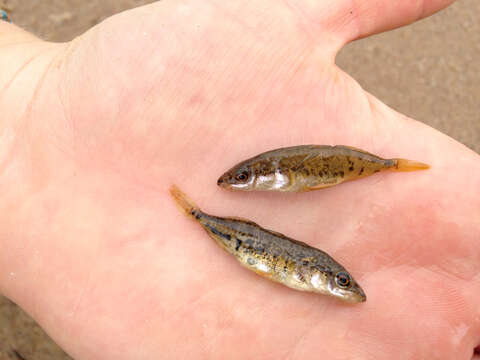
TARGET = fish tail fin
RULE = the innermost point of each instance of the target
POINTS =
(408, 165)
(183, 202)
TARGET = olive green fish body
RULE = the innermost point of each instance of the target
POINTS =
(276, 256)
(308, 167)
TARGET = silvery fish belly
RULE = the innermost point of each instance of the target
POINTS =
(275, 256)
(308, 167)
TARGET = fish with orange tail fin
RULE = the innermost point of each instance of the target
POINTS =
(275, 256)
(309, 167)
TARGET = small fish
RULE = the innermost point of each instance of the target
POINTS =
(308, 167)
(275, 256)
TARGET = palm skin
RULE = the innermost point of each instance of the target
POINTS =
(178, 92)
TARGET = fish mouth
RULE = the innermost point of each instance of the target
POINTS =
(356, 297)
(361, 297)
(227, 183)
(353, 295)
(223, 182)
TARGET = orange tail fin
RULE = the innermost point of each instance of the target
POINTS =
(183, 202)
(409, 165)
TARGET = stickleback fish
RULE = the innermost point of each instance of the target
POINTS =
(309, 167)
(275, 256)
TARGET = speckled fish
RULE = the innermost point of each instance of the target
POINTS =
(309, 167)
(275, 256)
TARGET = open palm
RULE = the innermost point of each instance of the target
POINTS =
(178, 92)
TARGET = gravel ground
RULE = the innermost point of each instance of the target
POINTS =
(429, 71)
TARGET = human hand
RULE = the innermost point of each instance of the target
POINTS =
(97, 130)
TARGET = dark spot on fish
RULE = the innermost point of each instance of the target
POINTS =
(219, 233)
(260, 249)
(307, 172)
(239, 243)
(342, 174)
(361, 171)
(300, 277)
(195, 213)
(350, 168)
(375, 171)
(305, 263)
(323, 269)
(275, 262)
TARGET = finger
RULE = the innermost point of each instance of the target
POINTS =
(374, 16)
(354, 19)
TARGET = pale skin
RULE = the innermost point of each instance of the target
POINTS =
(93, 133)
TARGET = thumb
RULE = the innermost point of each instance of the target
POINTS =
(354, 19)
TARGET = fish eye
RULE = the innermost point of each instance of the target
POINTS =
(343, 280)
(242, 176)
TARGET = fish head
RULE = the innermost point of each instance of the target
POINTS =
(342, 285)
(248, 175)
(240, 177)
(339, 284)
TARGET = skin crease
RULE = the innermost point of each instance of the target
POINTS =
(93, 133)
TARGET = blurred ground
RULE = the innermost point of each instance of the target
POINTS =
(429, 71)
